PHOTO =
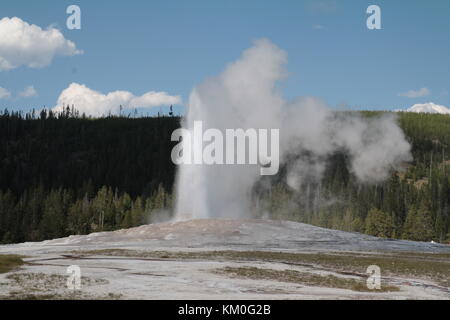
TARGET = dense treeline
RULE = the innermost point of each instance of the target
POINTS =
(38, 214)
(64, 174)
(65, 151)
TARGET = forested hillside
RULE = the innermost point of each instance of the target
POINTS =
(412, 204)
(63, 174)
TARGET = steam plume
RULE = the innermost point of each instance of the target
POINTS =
(246, 96)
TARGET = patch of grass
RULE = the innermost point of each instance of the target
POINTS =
(304, 278)
(10, 262)
(44, 282)
(428, 266)
(421, 255)
(42, 286)
(113, 296)
(21, 295)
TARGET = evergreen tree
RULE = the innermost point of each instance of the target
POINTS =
(53, 221)
(379, 224)
(418, 225)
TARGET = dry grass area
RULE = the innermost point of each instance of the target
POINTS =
(426, 266)
(10, 262)
(45, 282)
(43, 286)
(304, 278)
(21, 295)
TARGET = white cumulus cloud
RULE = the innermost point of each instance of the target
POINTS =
(422, 92)
(95, 103)
(27, 44)
(4, 93)
(28, 92)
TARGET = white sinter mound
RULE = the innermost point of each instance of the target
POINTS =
(243, 234)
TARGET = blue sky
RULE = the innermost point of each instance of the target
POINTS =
(170, 46)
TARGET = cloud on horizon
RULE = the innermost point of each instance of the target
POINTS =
(422, 92)
(27, 44)
(4, 93)
(28, 92)
(97, 104)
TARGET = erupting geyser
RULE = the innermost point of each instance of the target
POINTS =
(245, 96)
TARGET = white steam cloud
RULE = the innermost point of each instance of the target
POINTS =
(246, 96)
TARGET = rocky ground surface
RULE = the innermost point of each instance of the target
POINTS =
(227, 259)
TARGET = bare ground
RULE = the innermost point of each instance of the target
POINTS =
(227, 259)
